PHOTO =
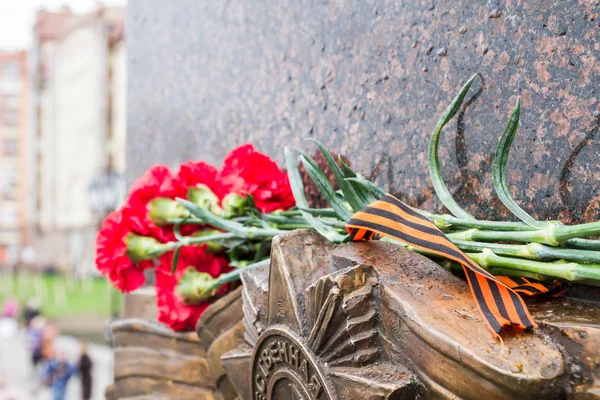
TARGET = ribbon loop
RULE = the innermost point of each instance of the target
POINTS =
(498, 304)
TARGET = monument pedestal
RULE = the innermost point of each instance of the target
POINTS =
(376, 321)
(355, 321)
(152, 361)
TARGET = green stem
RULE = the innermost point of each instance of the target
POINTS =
(539, 236)
(321, 212)
(588, 244)
(498, 265)
(435, 171)
(446, 221)
(518, 273)
(334, 223)
(457, 269)
(562, 270)
(191, 240)
(534, 251)
(500, 173)
(235, 274)
(286, 213)
(565, 232)
(553, 234)
(278, 219)
(186, 221)
(291, 227)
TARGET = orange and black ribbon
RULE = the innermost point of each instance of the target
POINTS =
(498, 303)
(526, 287)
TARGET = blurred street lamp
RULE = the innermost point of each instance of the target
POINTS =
(105, 193)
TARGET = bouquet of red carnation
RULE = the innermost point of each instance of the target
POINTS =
(199, 227)
(154, 230)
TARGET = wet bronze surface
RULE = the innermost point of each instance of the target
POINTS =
(154, 362)
(369, 78)
(374, 320)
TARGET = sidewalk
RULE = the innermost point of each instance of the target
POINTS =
(16, 367)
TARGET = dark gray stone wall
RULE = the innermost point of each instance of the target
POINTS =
(370, 78)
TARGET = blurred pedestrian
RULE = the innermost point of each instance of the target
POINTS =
(56, 373)
(10, 308)
(48, 338)
(8, 324)
(85, 372)
(35, 339)
(31, 310)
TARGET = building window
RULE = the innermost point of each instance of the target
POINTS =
(10, 78)
(9, 117)
(10, 147)
(9, 182)
(8, 217)
(10, 101)
(10, 70)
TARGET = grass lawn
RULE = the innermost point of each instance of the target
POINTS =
(61, 296)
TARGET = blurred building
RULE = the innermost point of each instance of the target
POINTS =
(15, 220)
(78, 74)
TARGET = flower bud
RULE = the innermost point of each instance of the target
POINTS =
(212, 247)
(195, 287)
(240, 263)
(161, 209)
(142, 248)
(234, 205)
(203, 197)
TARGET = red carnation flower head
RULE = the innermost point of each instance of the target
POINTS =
(193, 173)
(246, 170)
(111, 254)
(171, 309)
(155, 182)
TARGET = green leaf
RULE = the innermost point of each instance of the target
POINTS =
(346, 170)
(433, 158)
(295, 179)
(375, 190)
(500, 173)
(175, 260)
(177, 229)
(364, 194)
(320, 212)
(334, 222)
(251, 202)
(298, 192)
(211, 219)
(322, 183)
(263, 250)
(350, 194)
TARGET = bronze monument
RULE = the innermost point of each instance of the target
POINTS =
(376, 321)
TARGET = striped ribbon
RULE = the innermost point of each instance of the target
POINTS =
(526, 287)
(496, 296)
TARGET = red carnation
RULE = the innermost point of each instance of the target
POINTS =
(111, 254)
(247, 170)
(155, 182)
(193, 173)
(171, 309)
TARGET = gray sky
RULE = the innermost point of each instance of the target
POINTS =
(17, 18)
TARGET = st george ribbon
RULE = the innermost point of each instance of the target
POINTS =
(496, 296)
